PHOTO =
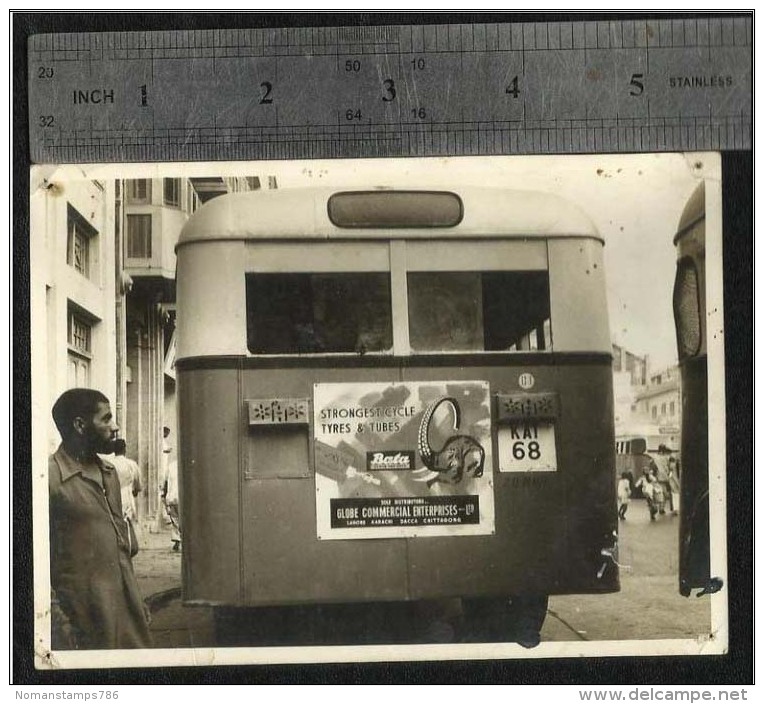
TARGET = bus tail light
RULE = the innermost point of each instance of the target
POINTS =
(687, 308)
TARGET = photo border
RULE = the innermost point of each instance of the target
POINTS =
(738, 260)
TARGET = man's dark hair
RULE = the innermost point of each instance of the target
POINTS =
(74, 403)
(120, 446)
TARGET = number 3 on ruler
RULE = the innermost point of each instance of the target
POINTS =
(389, 90)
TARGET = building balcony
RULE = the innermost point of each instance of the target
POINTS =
(151, 232)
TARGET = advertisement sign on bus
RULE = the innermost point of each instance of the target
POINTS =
(403, 459)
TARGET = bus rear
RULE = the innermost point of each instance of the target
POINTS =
(393, 396)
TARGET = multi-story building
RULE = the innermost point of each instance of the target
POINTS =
(103, 303)
(629, 378)
(661, 404)
(633, 365)
(72, 293)
(646, 403)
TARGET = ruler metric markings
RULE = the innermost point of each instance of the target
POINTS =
(432, 90)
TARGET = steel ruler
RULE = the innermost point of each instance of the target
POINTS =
(425, 90)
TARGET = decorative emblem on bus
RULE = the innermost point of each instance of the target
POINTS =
(526, 380)
(520, 405)
(278, 411)
(460, 455)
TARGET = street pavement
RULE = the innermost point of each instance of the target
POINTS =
(648, 606)
(157, 568)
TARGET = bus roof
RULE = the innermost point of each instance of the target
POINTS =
(303, 214)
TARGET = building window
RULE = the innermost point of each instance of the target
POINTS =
(79, 357)
(79, 250)
(139, 190)
(78, 375)
(192, 199)
(79, 334)
(655, 411)
(80, 245)
(663, 409)
(672, 408)
(172, 192)
(139, 236)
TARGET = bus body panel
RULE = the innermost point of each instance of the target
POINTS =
(694, 543)
(578, 260)
(545, 541)
(210, 484)
(291, 565)
(550, 527)
(211, 290)
(694, 534)
(284, 563)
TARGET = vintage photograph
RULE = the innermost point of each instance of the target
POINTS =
(378, 410)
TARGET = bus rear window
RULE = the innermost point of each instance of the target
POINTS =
(318, 313)
(479, 311)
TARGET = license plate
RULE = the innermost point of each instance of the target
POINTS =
(527, 446)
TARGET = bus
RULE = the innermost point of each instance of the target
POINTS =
(689, 302)
(637, 453)
(632, 459)
(390, 400)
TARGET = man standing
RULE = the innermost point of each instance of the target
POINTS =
(169, 488)
(172, 503)
(663, 475)
(95, 600)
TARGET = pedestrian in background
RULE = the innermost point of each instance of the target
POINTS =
(624, 495)
(673, 477)
(163, 519)
(172, 502)
(166, 450)
(95, 599)
(661, 466)
(646, 484)
(674, 467)
(659, 493)
(129, 475)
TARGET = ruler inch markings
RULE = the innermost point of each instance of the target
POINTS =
(88, 133)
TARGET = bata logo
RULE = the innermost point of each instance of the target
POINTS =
(390, 459)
